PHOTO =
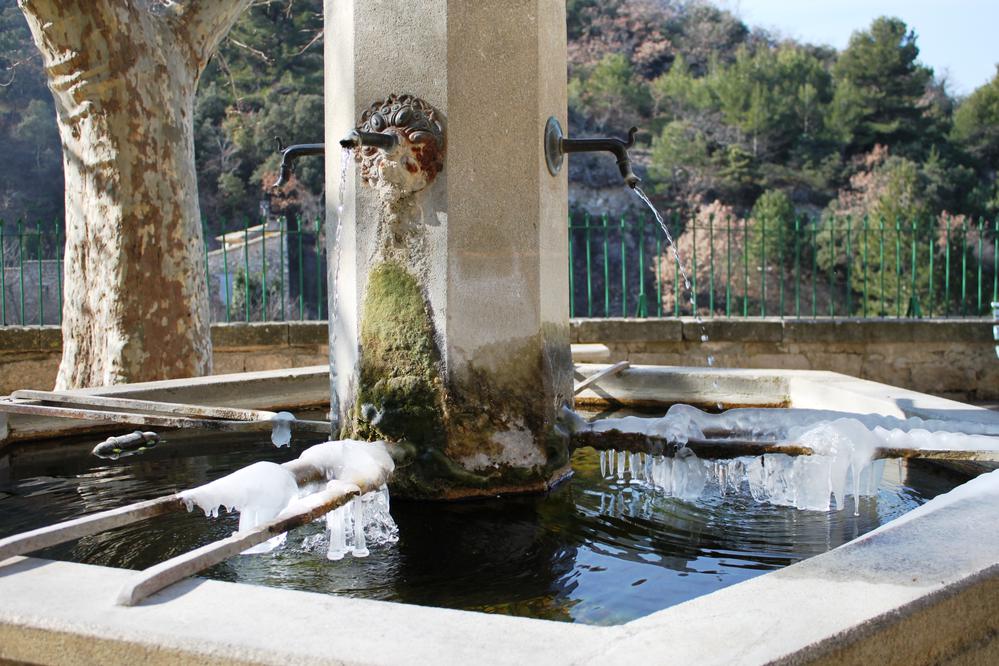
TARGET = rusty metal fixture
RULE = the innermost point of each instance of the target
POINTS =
(418, 128)
(557, 145)
(356, 139)
(292, 153)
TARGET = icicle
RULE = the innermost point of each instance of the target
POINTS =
(621, 457)
(336, 523)
(603, 464)
(634, 463)
(360, 546)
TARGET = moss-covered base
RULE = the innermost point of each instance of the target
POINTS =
(481, 433)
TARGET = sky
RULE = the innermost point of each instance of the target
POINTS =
(955, 37)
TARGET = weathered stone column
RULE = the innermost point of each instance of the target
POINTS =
(451, 322)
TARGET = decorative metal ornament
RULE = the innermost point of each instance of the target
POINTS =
(417, 125)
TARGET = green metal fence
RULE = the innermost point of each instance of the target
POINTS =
(802, 268)
(256, 271)
(620, 267)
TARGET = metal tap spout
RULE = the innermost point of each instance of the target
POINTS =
(358, 139)
(556, 146)
(292, 153)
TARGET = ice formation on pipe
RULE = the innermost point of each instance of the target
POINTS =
(281, 428)
(264, 491)
(259, 492)
(364, 520)
(842, 463)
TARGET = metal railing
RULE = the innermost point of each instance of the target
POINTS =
(256, 271)
(803, 268)
(622, 267)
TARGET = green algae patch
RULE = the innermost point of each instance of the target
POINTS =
(400, 393)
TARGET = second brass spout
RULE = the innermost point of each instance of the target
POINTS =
(616, 146)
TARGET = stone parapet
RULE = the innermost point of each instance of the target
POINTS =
(948, 357)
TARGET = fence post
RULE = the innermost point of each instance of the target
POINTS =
(866, 259)
(607, 309)
(913, 298)
(693, 273)
(797, 267)
(728, 268)
(20, 267)
(711, 265)
(589, 264)
(656, 233)
(964, 267)
(246, 268)
(881, 271)
(745, 268)
(947, 269)
(832, 265)
(849, 265)
(572, 277)
(981, 223)
(643, 309)
(929, 296)
(301, 271)
(225, 275)
(624, 272)
(780, 268)
(995, 260)
(38, 254)
(263, 270)
(208, 274)
(763, 267)
(815, 265)
(283, 250)
(3, 278)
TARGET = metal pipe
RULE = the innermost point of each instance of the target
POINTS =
(358, 139)
(556, 146)
(618, 147)
(292, 153)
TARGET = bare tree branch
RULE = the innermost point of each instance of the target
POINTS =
(319, 35)
(257, 52)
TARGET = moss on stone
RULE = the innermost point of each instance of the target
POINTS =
(400, 393)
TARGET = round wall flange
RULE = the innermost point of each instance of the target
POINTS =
(553, 146)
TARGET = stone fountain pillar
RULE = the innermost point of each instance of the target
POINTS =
(451, 321)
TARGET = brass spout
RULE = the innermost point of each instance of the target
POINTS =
(381, 140)
(556, 146)
(292, 153)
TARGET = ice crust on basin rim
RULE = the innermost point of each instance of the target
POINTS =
(264, 490)
(843, 445)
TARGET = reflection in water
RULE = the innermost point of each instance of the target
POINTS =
(595, 550)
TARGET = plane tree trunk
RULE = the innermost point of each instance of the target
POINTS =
(123, 74)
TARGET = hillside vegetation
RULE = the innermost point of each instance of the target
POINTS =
(730, 114)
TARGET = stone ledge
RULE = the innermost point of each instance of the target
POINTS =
(752, 329)
(30, 338)
(249, 335)
(625, 330)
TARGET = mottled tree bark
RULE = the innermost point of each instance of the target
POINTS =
(123, 74)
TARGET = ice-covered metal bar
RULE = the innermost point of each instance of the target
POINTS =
(52, 535)
(155, 578)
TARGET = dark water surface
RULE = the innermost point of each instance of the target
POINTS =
(595, 551)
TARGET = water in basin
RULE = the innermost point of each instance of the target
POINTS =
(595, 550)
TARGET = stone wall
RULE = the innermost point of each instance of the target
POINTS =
(29, 356)
(952, 358)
